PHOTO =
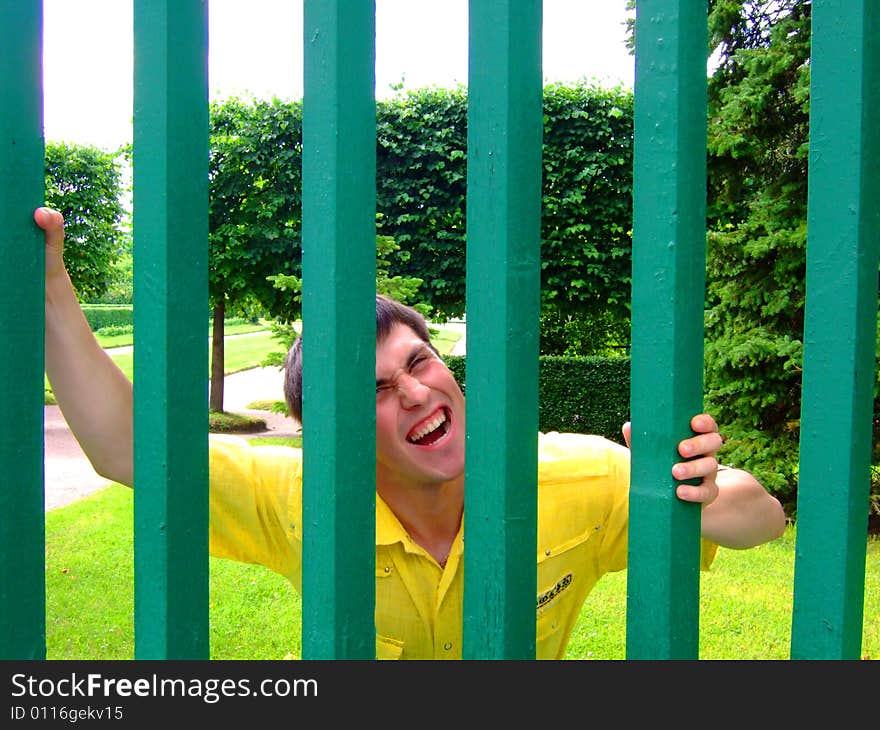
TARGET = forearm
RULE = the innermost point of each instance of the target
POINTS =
(93, 394)
(744, 514)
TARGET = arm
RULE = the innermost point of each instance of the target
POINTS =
(93, 394)
(737, 511)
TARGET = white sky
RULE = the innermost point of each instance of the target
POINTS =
(256, 49)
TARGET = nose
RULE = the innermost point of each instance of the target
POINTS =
(412, 392)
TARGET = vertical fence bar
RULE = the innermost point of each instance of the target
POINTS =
(503, 287)
(22, 291)
(170, 321)
(840, 331)
(339, 329)
(669, 238)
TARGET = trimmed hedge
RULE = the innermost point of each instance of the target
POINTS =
(108, 315)
(576, 394)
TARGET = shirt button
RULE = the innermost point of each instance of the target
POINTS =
(447, 645)
(387, 569)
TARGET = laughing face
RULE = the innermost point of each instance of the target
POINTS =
(419, 414)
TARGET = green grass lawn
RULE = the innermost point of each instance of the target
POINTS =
(746, 598)
(241, 353)
(90, 597)
(745, 607)
(444, 339)
(126, 340)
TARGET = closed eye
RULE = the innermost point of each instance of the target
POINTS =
(416, 362)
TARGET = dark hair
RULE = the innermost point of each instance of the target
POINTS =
(388, 313)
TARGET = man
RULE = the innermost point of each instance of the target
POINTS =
(256, 494)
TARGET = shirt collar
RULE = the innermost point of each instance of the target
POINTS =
(390, 531)
(388, 527)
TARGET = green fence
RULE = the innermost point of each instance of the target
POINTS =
(504, 183)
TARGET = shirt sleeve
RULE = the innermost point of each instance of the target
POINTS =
(601, 470)
(256, 505)
(619, 467)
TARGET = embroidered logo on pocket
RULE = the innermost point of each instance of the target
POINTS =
(547, 596)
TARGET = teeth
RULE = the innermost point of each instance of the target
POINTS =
(428, 426)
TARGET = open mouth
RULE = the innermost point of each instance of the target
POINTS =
(431, 430)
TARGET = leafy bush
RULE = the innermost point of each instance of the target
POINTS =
(576, 394)
(100, 316)
(115, 329)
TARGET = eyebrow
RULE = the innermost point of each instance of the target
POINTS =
(414, 353)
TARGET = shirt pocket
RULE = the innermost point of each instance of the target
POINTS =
(388, 648)
(554, 606)
(562, 578)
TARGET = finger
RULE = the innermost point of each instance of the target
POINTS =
(695, 469)
(52, 222)
(703, 423)
(707, 443)
(48, 218)
(704, 493)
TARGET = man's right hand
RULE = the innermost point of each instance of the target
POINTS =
(52, 222)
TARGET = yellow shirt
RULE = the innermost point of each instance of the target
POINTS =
(256, 508)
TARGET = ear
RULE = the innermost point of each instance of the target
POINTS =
(626, 430)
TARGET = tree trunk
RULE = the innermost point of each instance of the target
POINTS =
(215, 396)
